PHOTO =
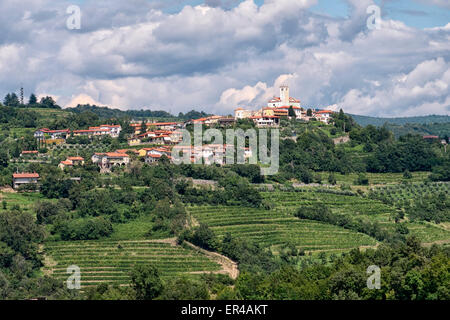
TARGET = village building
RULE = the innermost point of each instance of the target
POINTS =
(128, 151)
(134, 141)
(241, 113)
(20, 179)
(45, 134)
(226, 121)
(323, 116)
(70, 162)
(266, 121)
(284, 100)
(106, 161)
(277, 106)
(158, 137)
(103, 130)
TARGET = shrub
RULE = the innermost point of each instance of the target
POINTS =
(85, 229)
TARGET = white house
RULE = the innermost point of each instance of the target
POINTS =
(20, 179)
(108, 160)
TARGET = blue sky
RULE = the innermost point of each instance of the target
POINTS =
(413, 13)
(217, 55)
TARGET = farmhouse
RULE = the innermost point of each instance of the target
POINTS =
(323, 116)
(108, 160)
(46, 133)
(70, 162)
(266, 121)
(110, 130)
(20, 179)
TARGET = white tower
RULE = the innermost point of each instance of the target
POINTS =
(284, 95)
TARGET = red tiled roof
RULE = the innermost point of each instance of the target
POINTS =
(162, 124)
(67, 162)
(127, 150)
(324, 111)
(25, 175)
(29, 152)
(46, 130)
(117, 155)
(75, 158)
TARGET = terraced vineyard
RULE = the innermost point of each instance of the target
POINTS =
(402, 194)
(272, 228)
(111, 261)
(275, 227)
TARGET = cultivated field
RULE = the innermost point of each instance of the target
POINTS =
(111, 261)
(272, 228)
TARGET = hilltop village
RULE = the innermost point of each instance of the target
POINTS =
(163, 136)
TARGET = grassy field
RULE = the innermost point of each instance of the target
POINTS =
(111, 261)
(24, 200)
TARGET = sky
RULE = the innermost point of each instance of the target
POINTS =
(217, 55)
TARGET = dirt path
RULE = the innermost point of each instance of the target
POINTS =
(439, 242)
(229, 267)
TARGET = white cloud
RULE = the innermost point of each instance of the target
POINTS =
(132, 55)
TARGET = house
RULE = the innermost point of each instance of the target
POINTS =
(108, 160)
(127, 151)
(164, 125)
(114, 129)
(323, 116)
(241, 113)
(45, 134)
(70, 162)
(153, 158)
(158, 151)
(266, 121)
(103, 130)
(20, 179)
(156, 137)
(134, 141)
(285, 111)
(226, 122)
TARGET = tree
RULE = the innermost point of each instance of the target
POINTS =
(11, 100)
(185, 289)
(407, 174)
(33, 100)
(146, 282)
(309, 113)
(332, 179)
(48, 102)
(291, 112)
(3, 159)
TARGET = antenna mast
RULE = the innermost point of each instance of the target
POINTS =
(21, 94)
